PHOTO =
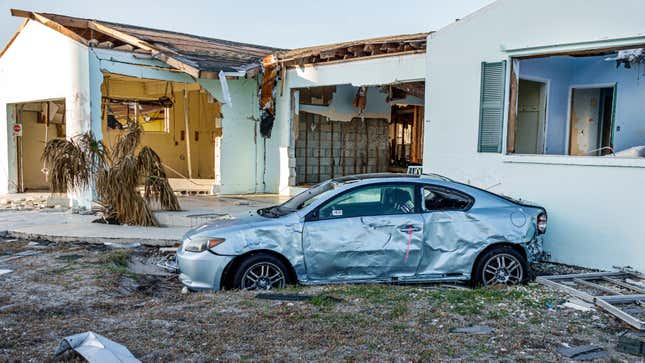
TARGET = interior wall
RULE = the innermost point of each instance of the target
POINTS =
(341, 107)
(169, 146)
(33, 144)
(281, 160)
(243, 151)
(565, 72)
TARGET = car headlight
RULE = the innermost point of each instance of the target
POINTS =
(200, 244)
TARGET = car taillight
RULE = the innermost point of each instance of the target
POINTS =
(541, 223)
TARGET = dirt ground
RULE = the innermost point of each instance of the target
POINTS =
(73, 288)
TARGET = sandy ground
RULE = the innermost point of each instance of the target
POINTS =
(71, 288)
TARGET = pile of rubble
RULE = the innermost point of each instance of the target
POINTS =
(36, 202)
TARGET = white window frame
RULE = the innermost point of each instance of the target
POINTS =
(551, 49)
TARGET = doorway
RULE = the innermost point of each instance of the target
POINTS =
(41, 122)
(591, 121)
(531, 117)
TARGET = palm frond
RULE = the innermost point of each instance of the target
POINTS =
(156, 184)
(127, 143)
(116, 173)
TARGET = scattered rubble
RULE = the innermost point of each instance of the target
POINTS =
(476, 329)
(96, 348)
(74, 287)
(632, 342)
(584, 352)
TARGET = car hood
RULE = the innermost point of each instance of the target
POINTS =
(234, 223)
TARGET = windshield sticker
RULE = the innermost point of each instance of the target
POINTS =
(337, 212)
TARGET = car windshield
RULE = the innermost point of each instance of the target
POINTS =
(300, 201)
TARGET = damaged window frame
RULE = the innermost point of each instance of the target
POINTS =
(314, 215)
(511, 108)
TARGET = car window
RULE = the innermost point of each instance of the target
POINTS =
(371, 200)
(441, 199)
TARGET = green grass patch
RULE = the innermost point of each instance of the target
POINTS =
(120, 258)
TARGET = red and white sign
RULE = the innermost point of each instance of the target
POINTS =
(17, 130)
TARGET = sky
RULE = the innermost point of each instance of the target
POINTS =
(278, 23)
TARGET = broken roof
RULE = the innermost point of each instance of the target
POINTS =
(198, 56)
(366, 48)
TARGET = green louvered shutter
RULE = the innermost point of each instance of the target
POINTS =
(491, 107)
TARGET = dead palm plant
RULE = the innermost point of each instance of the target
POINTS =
(116, 173)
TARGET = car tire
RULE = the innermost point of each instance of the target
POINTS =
(501, 265)
(261, 272)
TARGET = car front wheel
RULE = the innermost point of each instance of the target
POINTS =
(261, 272)
(501, 266)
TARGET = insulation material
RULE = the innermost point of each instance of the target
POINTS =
(267, 95)
(628, 57)
(227, 95)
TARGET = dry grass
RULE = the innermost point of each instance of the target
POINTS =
(117, 172)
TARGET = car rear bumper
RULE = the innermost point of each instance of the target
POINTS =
(534, 250)
(201, 270)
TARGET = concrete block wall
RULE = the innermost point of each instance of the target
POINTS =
(326, 149)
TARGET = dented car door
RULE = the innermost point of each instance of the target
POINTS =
(372, 232)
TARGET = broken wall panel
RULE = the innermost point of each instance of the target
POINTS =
(327, 149)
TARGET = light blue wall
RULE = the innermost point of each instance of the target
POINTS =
(558, 71)
(630, 97)
(242, 149)
(564, 72)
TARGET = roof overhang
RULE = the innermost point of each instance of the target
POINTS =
(69, 27)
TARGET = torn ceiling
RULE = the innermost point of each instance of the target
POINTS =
(353, 50)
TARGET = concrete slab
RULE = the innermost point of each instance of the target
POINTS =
(59, 226)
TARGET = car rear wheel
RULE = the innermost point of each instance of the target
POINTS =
(500, 266)
(261, 272)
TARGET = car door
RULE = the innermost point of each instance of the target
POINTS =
(451, 236)
(368, 232)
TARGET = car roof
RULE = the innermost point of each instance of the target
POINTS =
(372, 176)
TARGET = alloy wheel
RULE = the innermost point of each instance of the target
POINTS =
(502, 269)
(263, 276)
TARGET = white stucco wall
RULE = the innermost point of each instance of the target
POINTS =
(596, 205)
(42, 64)
(371, 72)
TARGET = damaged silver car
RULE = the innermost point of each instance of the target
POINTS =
(394, 228)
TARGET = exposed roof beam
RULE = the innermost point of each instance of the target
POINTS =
(49, 23)
(156, 50)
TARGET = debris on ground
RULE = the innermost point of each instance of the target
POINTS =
(616, 292)
(19, 255)
(632, 342)
(296, 297)
(96, 348)
(579, 305)
(583, 352)
(476, 329)
(77, 287)
(4, 271)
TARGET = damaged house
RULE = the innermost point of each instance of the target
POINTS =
(349, 108)
(224, 117)
(546, 101)
(195, 97)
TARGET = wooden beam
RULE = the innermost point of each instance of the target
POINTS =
(157, 50)
(49, 23)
